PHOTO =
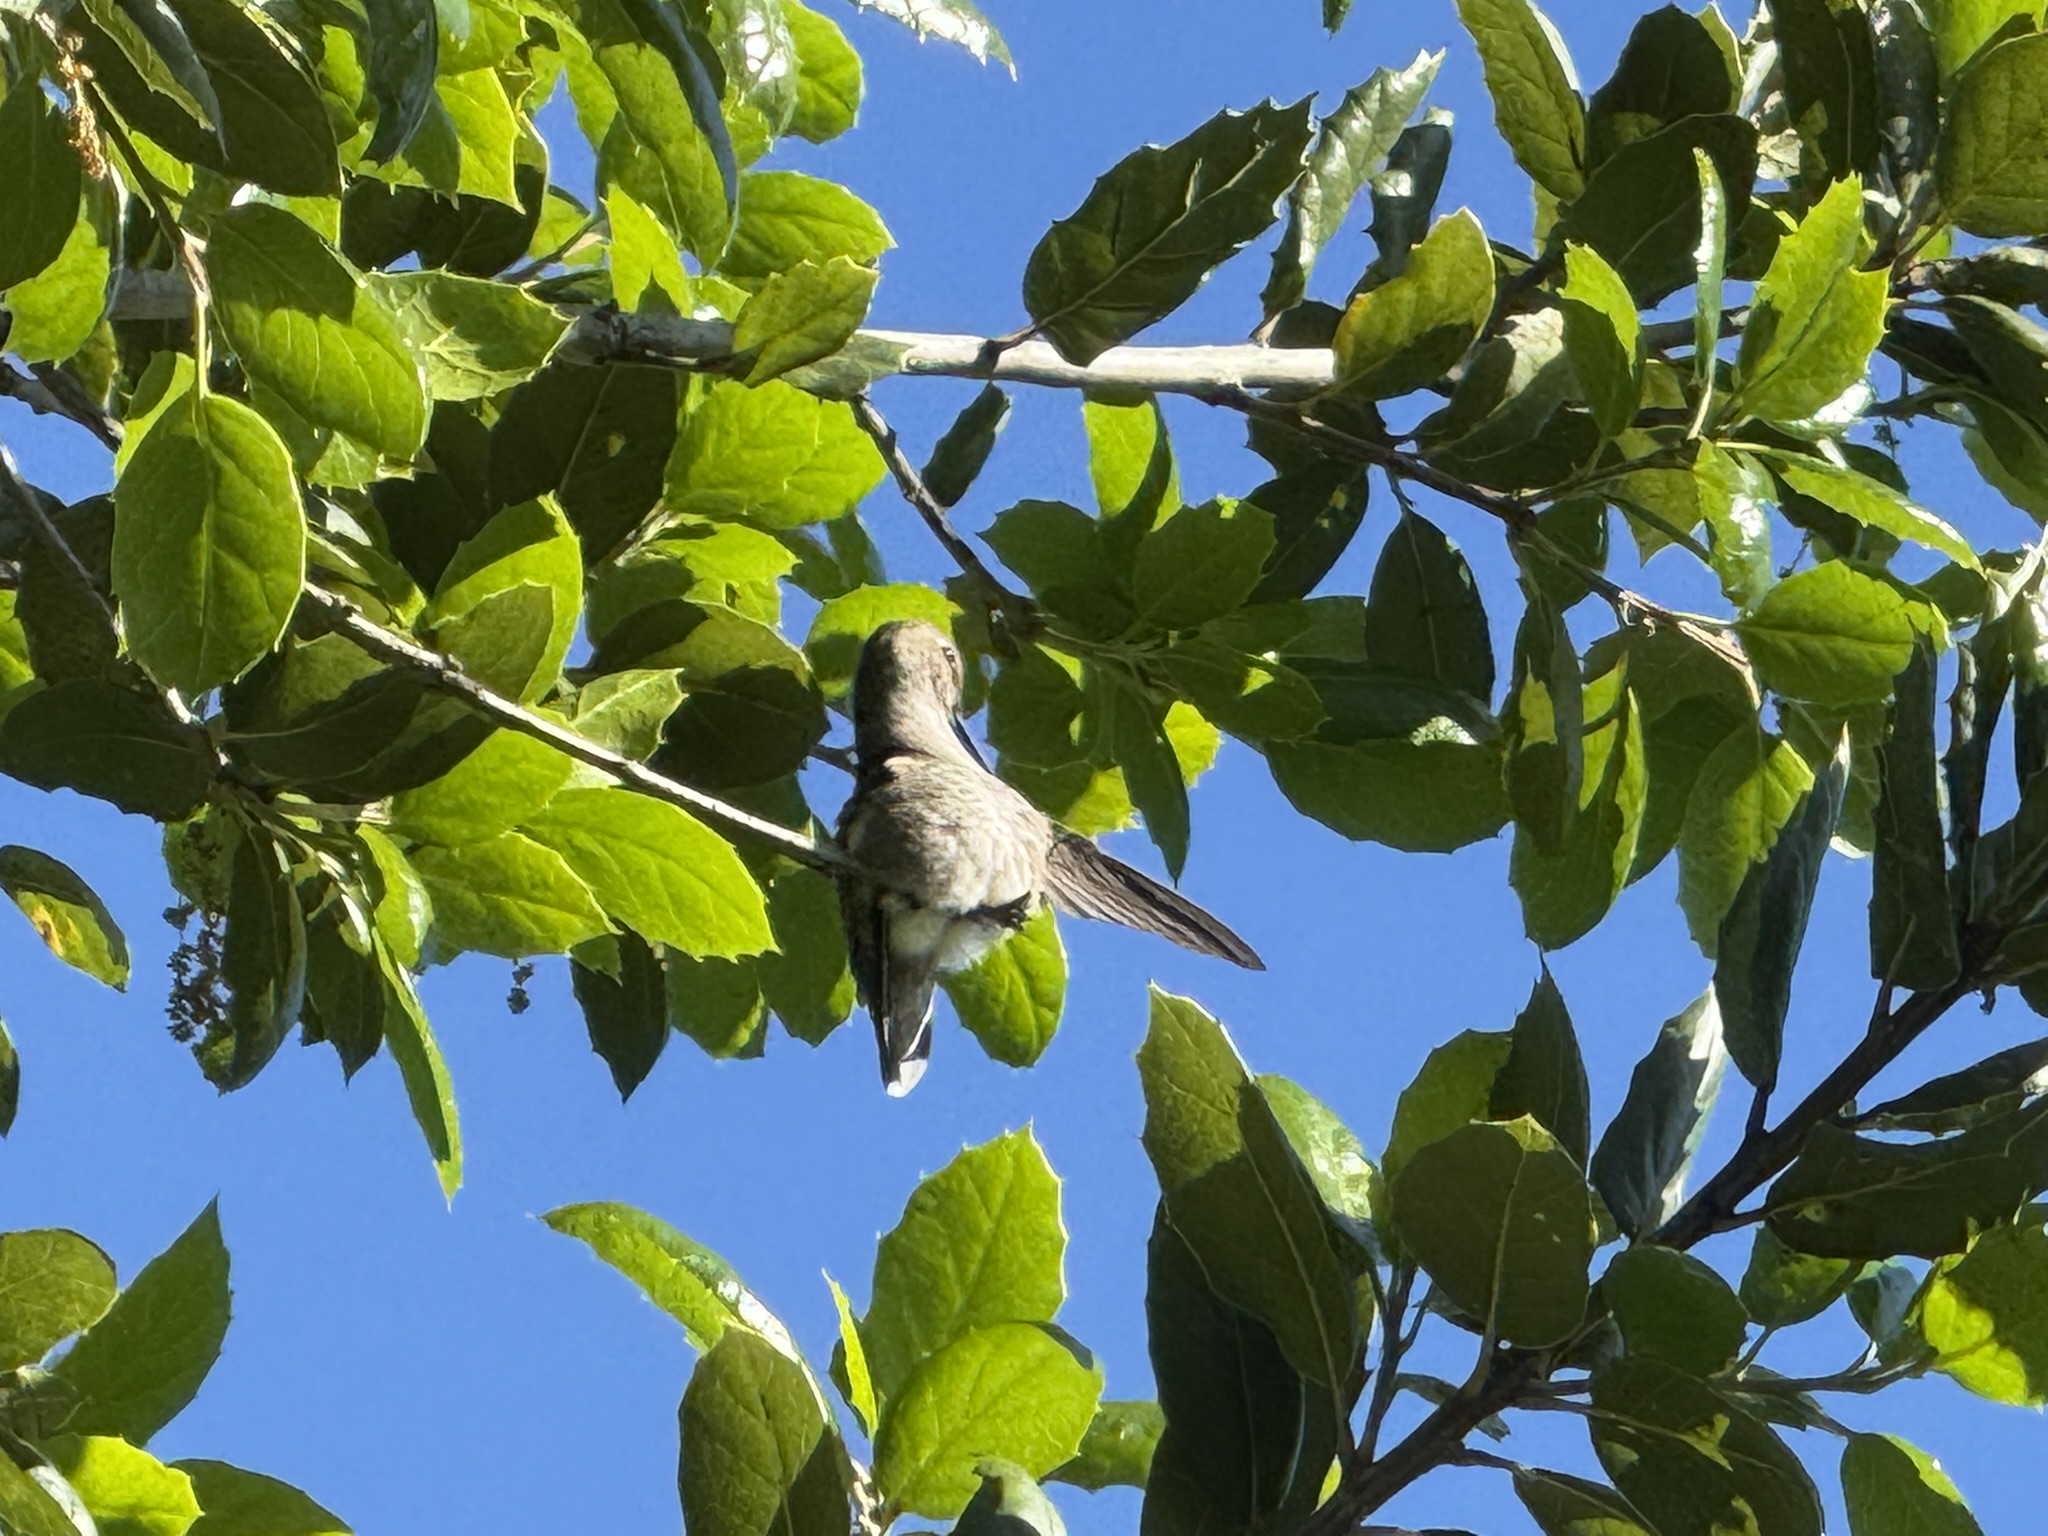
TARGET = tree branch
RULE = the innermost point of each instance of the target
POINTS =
(1018, 610)
(437, 672)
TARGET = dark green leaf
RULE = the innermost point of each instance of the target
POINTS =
(1535, 97)
(1892, 1488)
(404, 53)
(138, 1366)
(1404, 195)
(807, 983)
(239, 1503)
(263, 961)
(1830, 62)
(1247, 1440)
(1781, 1286)
(1562, 1505)
(1760, 938)
(1424, 617)
(1673, 1308)
(1454, 1087)
(626, 1014)
(1157, 224)
(154, 42)
(1645, 1153)
(1544, 1076)
(1671, 67)
(1434, 787)
(964, 448)
(39, 199)
(599, 438)
(1912, 930)
(1350, 148)
(1956, 1101)
(1248, 696)
(1854, 1197)
(110, 742)
(65, 913)
(757, 1453)
(10, 1080)
(1201, 563)
(1315, 510)
(1692, 1461)
(1238, 1195)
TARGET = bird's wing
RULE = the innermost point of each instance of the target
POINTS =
(1089, 883)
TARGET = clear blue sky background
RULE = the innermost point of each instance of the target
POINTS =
(425, 1371)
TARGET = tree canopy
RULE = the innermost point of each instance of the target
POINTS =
(484, 572)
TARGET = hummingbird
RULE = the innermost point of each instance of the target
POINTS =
(949, 859)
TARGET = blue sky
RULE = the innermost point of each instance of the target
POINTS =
(422, 1370)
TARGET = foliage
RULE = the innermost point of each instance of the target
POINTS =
(439, 607)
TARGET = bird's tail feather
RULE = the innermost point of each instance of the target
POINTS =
(1089, 883)
(903, 1028)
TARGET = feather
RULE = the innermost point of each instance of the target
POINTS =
(1087, 882)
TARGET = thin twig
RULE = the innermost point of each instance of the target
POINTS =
(438, 672)
(1018, 610)
(48, 533)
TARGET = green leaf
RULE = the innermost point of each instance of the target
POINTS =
(1424, 617)
(1350, 148)
(209, 544)
(476, 337)
(1603, 337)
(502, 783)
(1200, 564)
(1745, 795)
(154, 42)
(685, 1279)
(1118, 1449)
(1011, 999)
(1989, 164)
(1406, 333)
(1644, 1155)
(1986, 1317)
(1432, 789)
(1248, 696)
(1237, 1193)
(1562, 1505)
(1673, 1308)
(1692, 1461)
(428, 1089)
(1672, 67)
(403, 56)
(954, 21)
(39, 202)
(829, 84)
(508, 895)
(1955, 1101)
(65, 913)
(1830, 71)
(1781, 1286)
(625, 1007)
(758, 1456)
(1760, 937)
(137, 1367)
(1317, 509)
(979, 1243)
(128, 1491)
(1892, 1488)
(1247, 1441)
(1137, 734)
(1454, 1087)
(850, 1364)
(808, 983)
(111, 742)
(961, 451)
(274, 127)
(800, 315)
(1064, 556)
(773, 456)
(495, 586)
(1499, 1216)
(1833, 635)
(240, 1503)
(1872, 504)
(306, 326)
(52, 1284)
(263, 962)
(1854, 1197)
(625, 711)
(1334, 1157)
(843, 625)
(1014, 1390)
(787, 217)
(1816, 318)
(1544, 1076)
(1535, 94)
(56, 312)
(1131, 467)
(1567, 889)
(660, 870)
(1157, 223)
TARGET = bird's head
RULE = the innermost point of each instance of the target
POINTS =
(909, 678)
